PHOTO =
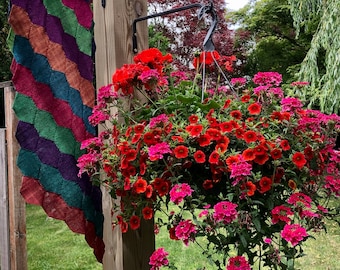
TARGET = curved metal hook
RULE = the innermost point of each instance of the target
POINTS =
(208, 44)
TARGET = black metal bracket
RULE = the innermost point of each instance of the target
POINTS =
(204, 9)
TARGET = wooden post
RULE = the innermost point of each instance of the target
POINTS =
(113, 37)
(17, 211)
(4, 222)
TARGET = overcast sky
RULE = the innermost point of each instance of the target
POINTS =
(236, 4)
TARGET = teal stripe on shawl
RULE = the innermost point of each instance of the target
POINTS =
(66, 189)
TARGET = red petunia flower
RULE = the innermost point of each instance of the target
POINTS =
(226, 104)
(140, 185)
(193, 119)
(226, 126)
(250, 188)
(163, 189)
(149, 138)
(276, 153)
(181, 151)
(245, 98)
(194, 130)
(248, 154)
(261, 159)
(231, 160)
(239, 133)
(131, 155)
(285, 145)
(147, 212)
(299, 159)
(214, 157)
(134, 222)
(250, 136)
(259, 150)
(199, 156)
(139, 128)
(208, 184)
(236, 114)
(204, 140)
(254, 109)
(214, 133)
(265, 184)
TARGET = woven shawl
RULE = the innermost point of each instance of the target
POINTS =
(52, 72)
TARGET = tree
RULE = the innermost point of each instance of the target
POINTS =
(265, 39)
(321, 66)
(5, 54)
(185, 33)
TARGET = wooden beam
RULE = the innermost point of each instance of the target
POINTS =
(113, 38)
(17, 211)
(4, 222)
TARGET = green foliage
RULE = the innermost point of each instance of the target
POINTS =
(51, 244)
(321, 66)
(5, 54)
(158, 40)
(266, 38)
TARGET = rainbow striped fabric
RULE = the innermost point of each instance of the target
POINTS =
(53, 76)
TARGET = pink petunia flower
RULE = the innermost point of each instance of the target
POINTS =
(225, 212)
(158, 150)
(185, 231)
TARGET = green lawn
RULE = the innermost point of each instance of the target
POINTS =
(51, 245)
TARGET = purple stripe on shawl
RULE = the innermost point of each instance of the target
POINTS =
(54, 29)
(49, 154)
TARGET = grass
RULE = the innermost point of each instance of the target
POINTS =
(51, 245)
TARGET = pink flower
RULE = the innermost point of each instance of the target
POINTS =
(225, 212)
(162, 118)
(158, 150)
(158, 259)
(239, 169)
(293, 233)
(238, 81)
(179, 192)
(238, 263)
(300, 199)
(281, 213)
(267, 78)
(185, 230)
(290, 104)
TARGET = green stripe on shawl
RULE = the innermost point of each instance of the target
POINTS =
(66, 189)
(44, 123)
(71, 26)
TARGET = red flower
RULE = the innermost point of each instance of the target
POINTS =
(124, 227)
(149, 191)
(245, 98)
(177, 138)
(276, 116)
(254, 109)
(208, 184)
(131, 155)
(248, 154)
(139, 128)
(214, 133)
(206, 58)
(250, 187)
(147, 212)
(276, 153)
(226, 126)
(193, 119)
(265, 184)
(149, 138)
(226, 104)
(172, 233)
(136, 138)
(221, 147)
(239, 133)
(250, 136)
(181, 151)
(163, 189)
(236, 114)
(231, 160)
(285, 145)
(204, 140)
(299, 159)
(194, 130)
(134, 222)
(140, 185)
(199, 156)
(259, 150)
(214, 157)
(261, 159)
